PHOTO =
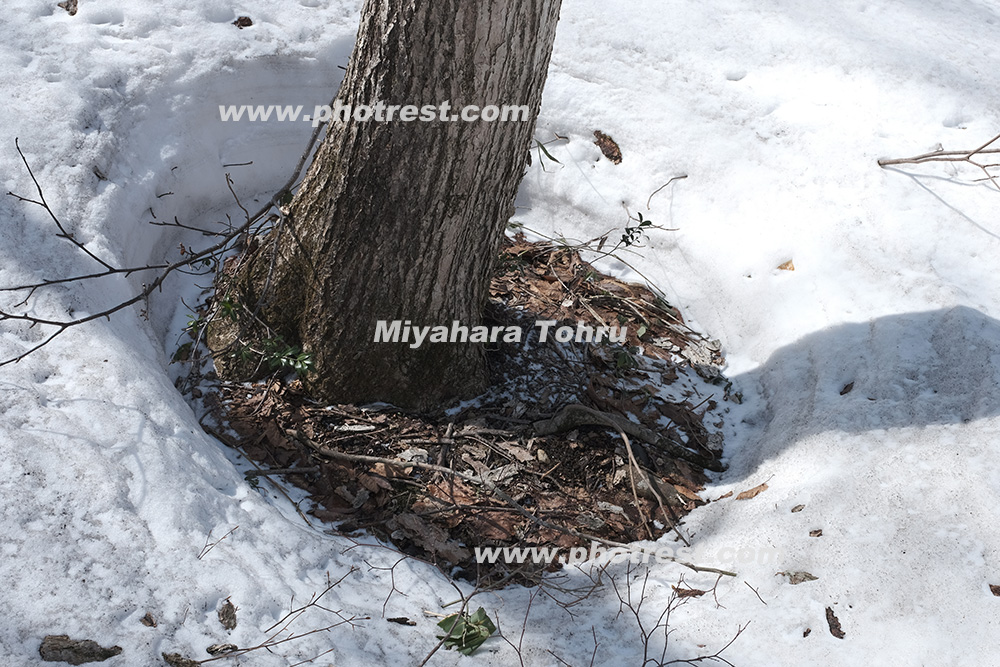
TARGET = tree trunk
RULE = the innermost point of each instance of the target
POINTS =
(403, 220)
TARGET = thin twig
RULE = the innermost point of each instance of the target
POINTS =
(447, 634)
(62, 230)
(953, 156)
(190, 259)
(675, 178)
(208, 547)
(755, 593)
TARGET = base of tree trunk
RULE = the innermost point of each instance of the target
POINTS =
(546, 437)
(398, 220)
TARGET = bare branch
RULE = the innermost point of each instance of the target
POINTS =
(209, 546)
(953, 156)
(166, 269)
(41, 196)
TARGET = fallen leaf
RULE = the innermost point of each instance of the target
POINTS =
(688, 592)
(796, 578)
(787, 266)
(430, 537)
(221, 649)
(816, 533)
(60, 648)
(608, 147)
(519, 453)
(383, 473)
(227, 615)
(686, 492)
(995, 590)
(401, 620)
(847, 388)
(454, 491)
(798, 508)
(752, 493)
(178, 660)
(834, 624)
(374, 482)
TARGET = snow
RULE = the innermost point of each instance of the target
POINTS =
(775, 110)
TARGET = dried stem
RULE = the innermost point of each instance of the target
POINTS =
(954, 156)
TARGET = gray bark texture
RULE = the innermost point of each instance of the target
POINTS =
(403, 220)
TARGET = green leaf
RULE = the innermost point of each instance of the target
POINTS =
(546, 151)
(182, 353)
(466, 633)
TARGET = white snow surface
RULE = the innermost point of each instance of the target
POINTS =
(776, 111)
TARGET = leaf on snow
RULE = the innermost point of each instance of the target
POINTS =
(796, 578)
(608, 147)
(227, 615)
(752, 493)
(834, 624)
(688, 592)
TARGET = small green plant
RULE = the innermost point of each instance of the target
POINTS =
(543, 149)
(195, 322)
(625, 359)
(466, 632)
(183, 352)
(276, 354)
(633, 235)
(244, 353)
(544, 152)
(252, 479)
(279, 355)
(228, 309)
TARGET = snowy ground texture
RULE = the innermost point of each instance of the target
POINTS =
(775, 109)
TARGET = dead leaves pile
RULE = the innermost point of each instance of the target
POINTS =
(577, 480)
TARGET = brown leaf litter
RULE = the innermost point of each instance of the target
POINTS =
(511, 486)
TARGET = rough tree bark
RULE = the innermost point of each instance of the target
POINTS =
(403, 220)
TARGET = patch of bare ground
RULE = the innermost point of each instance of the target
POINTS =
(573, 442)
